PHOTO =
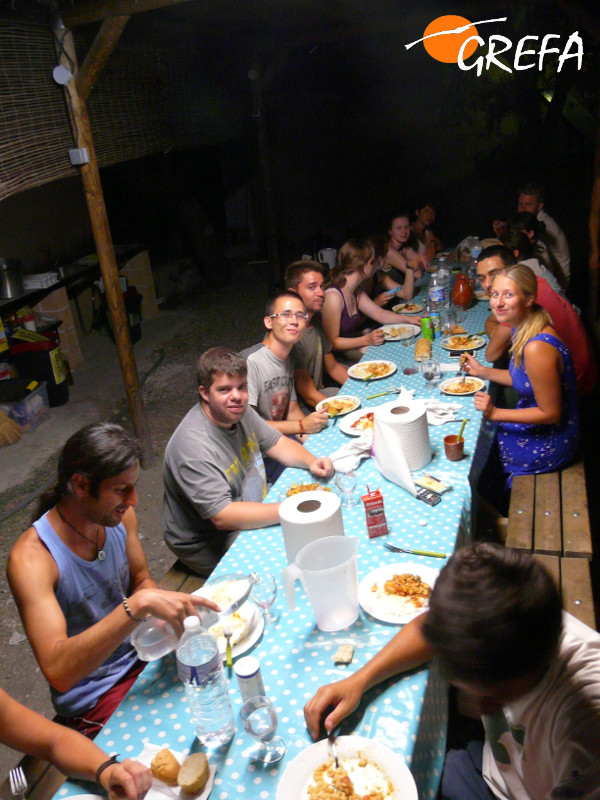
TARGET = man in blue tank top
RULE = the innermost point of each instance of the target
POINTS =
(81, 580)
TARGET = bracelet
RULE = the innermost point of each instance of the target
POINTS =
(302, 431)
(112, 760)
(129, 611)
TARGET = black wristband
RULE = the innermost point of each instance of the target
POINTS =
(112, 760)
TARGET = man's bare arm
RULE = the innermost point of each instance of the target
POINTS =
(407, 650)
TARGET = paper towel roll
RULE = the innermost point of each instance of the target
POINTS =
(401, 441)
(308, 516)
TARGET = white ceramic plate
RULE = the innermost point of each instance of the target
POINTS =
(400, 331)
(363, 370)
(249, 611)
(408, 308)
(86, 797)
(346, 424)
(346, 397)
(379, 607)
(473, 343)
(452, 386)
(298, 775)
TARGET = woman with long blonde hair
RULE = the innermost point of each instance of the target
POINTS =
(542, 433)
(346, 302)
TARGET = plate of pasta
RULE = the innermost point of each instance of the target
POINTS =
(339, 405)
(372, 370)
(461, 386)
(372, 769)
(357, 422)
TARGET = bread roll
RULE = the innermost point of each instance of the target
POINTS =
(422, 349)
(165, 767)
(194, 773)
(458, 329)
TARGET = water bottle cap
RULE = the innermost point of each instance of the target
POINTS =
(192, 624)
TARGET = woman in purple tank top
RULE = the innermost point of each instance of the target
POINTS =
(346, 302)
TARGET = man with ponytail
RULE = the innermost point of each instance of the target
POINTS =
(81, 581)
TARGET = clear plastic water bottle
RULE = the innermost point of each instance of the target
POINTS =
(443, 275)
(200, 668)
(436, 293)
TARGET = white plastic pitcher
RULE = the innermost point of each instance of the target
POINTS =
(327, 570)
(327, 256)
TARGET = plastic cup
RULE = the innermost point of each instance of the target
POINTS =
(454, 447)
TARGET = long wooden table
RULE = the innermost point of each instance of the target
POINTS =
(409, 713)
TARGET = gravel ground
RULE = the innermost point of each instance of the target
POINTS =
(212, 318)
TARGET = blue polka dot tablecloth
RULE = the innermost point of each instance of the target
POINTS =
(407, 714)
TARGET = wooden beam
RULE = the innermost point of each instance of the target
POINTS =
(90, 176)
(265, 172)
(99, 53)
(98, 10)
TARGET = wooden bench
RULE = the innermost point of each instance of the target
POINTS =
(43, 779)
(549, 517)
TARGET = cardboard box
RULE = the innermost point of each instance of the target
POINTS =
(30, 411)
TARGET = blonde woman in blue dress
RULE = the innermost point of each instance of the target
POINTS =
(542, 433)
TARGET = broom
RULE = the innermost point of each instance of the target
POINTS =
(10, 431)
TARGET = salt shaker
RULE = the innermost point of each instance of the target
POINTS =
(247, 670)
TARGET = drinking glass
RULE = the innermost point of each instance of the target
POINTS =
(264, 593)
(447, 321)
(408, 341)
(346, 483)
(432, 372)
(260, 721)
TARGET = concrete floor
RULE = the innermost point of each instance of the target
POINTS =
(165, 357)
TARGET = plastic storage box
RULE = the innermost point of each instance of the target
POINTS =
(30, 411)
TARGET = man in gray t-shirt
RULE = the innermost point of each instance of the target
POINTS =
(214, 475)
(271, 372)
(312, 357)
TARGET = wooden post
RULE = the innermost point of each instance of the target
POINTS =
(104, 247)
(265, 173)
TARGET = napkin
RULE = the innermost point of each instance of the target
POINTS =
(160, 790)
(349, 456)
(438, 413)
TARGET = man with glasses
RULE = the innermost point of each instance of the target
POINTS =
(271, 370)
(214, 473)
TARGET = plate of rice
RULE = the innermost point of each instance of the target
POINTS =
(397, 593)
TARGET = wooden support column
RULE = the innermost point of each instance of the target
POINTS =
(265, 174)
(90, 176)
(99, 53)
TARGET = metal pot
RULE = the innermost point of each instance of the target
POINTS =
(11, 278)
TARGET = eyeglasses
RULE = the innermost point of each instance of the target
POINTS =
(289, 314)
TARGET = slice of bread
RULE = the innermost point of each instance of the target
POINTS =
(165, 767)
(194, 773)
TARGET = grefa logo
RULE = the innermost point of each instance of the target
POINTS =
(452, 40)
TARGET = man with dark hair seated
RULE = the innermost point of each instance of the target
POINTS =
(81, 581)
(311, 355)
(214, 473)
(533, 672)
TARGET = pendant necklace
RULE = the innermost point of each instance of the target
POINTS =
(100, 554)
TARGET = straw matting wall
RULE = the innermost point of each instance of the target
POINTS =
(140, 105)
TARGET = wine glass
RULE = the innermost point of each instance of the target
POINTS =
(346, 483)
(264, 593)
(260, 721)
(432, 372)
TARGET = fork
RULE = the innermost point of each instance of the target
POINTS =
(227, 633)
(392, 548)
(18, 782)
(332, 745)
